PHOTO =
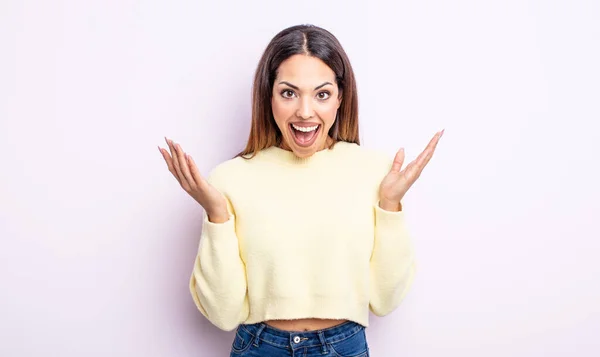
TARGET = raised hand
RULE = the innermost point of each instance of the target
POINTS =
(397, 182)
(183, 167)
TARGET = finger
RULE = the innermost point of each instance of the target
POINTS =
(414, 169)
(183, 165)
(198, 179)
(426, 155)
(427, 158)
(398, 161)
(178, 172)
(169, 162)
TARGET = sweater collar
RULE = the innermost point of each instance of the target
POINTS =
(287, 157)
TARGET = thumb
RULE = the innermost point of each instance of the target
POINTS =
(398, 161)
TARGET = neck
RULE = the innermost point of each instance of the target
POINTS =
(328, 143)
(287, 157)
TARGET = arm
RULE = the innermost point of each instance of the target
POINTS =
(392, 265)
(218, 282)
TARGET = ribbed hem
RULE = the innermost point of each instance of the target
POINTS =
(310, 307)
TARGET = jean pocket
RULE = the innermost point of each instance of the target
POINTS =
(353, 346)
(241, 341)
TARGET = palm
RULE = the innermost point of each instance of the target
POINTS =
(394, 186)
(397, 182)
(185, 171)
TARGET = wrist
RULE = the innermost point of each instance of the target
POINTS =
(218, 216)
(390, 206)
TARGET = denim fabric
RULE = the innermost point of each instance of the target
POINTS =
(261, 340)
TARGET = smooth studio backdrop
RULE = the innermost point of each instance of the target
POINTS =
(98, 240)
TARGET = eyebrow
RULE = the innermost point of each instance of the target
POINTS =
(296, 88)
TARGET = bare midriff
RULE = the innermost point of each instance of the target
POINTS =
(303, 324)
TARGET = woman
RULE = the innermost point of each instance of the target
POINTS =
(303, 231)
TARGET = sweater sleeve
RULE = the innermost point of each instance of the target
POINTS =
(392, 265)
(218, 281)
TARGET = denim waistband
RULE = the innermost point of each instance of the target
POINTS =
(298, 339)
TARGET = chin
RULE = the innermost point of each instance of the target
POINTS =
(304, 153)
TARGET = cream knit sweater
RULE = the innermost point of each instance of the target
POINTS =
(306, 238)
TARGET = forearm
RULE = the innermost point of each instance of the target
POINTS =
(218, 282)
(392, 261)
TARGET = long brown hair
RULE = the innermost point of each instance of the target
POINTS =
(313, 41)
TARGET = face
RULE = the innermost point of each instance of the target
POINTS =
(305, 100)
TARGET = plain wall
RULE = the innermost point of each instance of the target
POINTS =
(98, 239)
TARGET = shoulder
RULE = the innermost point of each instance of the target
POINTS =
(372, 159)
(227, 171)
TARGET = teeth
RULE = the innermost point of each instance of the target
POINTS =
(305, 129)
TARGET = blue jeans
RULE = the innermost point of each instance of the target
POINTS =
(261, 340)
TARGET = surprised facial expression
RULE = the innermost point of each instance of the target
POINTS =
(305, 101)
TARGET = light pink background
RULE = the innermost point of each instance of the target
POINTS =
(97, 239)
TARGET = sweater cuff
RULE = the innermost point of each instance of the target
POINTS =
(213, 229)
(389, 219)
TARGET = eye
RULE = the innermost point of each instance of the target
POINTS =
(323, 95)
(287, 93)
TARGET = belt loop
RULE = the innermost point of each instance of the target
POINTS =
(323, 345)
(260, 328)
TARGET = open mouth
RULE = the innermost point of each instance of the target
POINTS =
(305, 135)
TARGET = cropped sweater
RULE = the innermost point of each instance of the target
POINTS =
(305, 238)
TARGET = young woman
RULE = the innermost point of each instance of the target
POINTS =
(303, 231)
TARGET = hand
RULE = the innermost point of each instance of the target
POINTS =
(183, 167)
(397, 182)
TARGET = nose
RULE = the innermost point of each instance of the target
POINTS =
(305, 111)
